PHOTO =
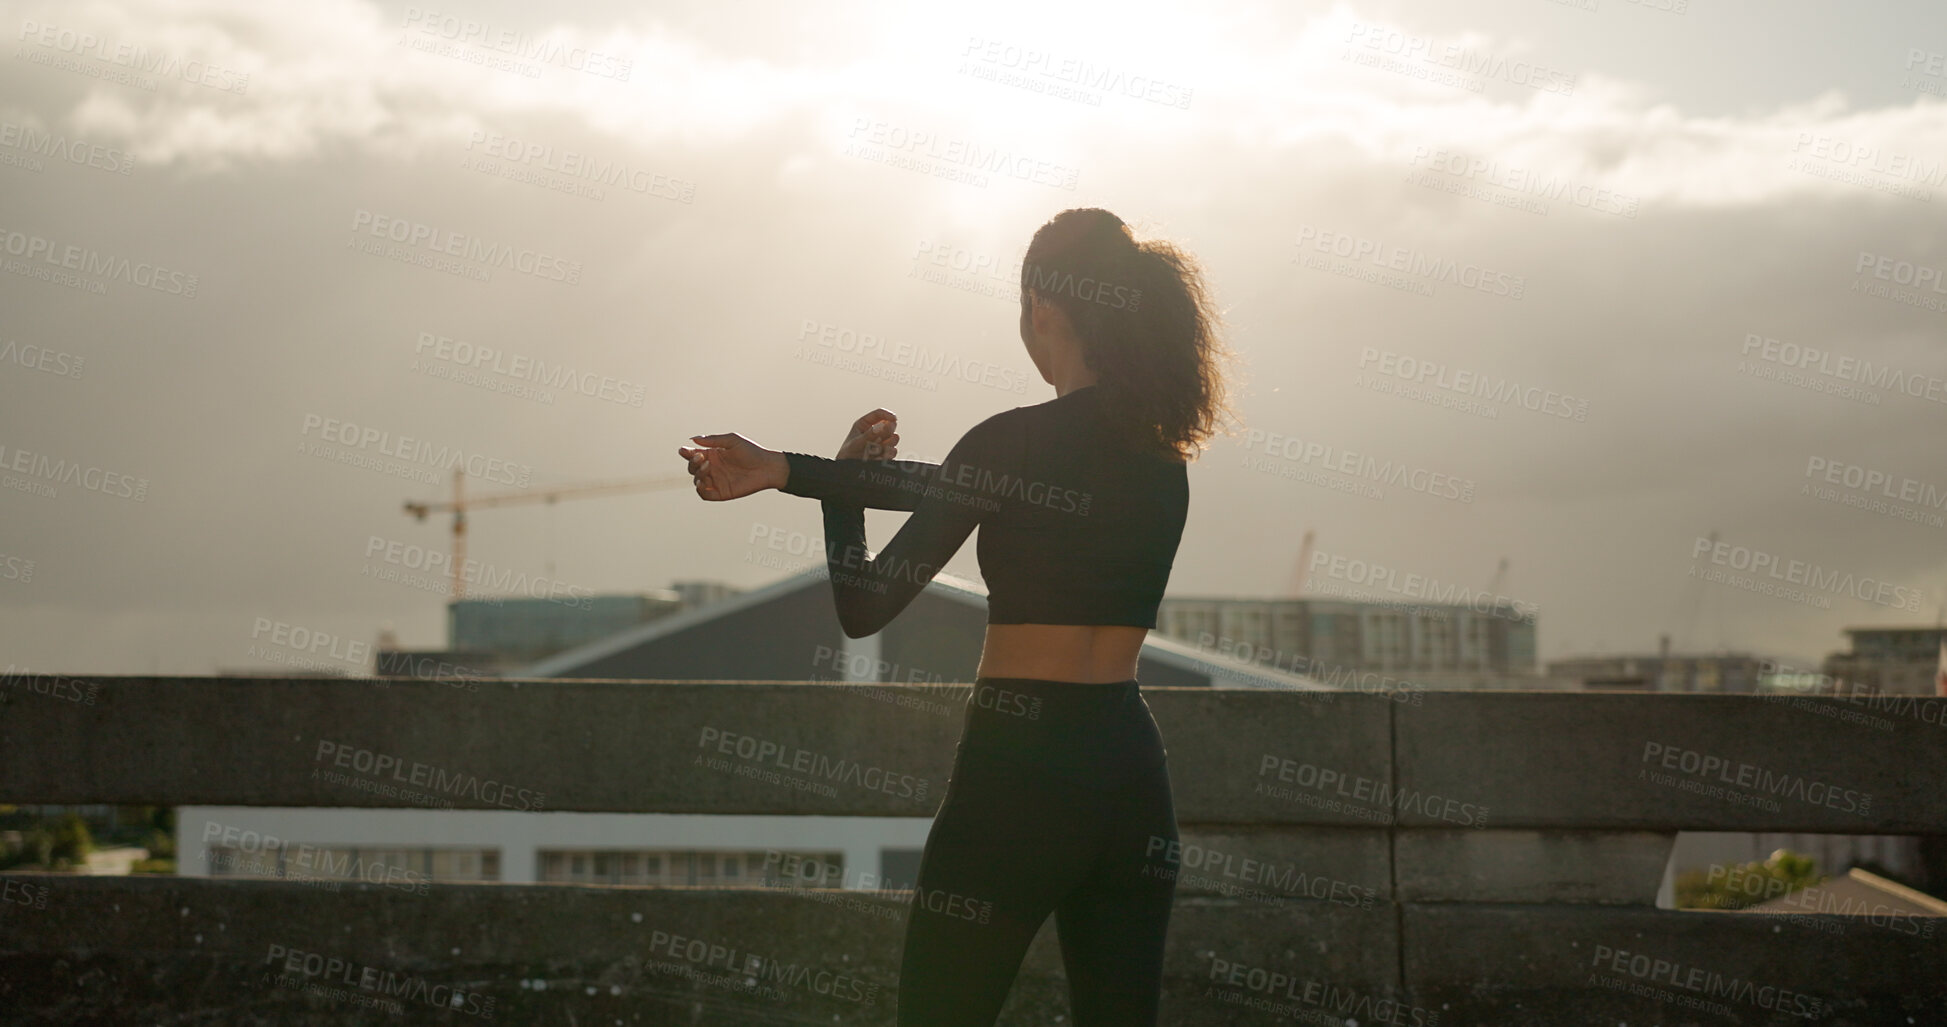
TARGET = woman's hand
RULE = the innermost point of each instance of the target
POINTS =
(729, 466)
(873, 437)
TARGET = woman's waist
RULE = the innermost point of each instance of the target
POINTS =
(1047, 706)
(1065, 653)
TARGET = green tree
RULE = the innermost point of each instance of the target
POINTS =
(72, 842)
(35, 849)
(1747, 884)
(161, 845)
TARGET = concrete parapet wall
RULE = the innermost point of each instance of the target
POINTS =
(1464, 858)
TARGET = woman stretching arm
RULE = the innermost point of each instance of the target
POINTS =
(1059, 802)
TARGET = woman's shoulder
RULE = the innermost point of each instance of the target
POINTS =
(996, 437)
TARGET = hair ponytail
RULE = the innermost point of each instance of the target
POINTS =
(1145, 321)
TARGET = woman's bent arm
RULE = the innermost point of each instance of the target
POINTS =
(871, 590)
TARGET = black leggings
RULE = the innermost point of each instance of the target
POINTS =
(1059, 802)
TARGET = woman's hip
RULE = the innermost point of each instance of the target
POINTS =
(1094, 731)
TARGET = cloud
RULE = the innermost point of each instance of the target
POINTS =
(730, 188)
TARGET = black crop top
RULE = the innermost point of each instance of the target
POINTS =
(1074, 528)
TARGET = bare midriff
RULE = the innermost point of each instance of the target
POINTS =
(1089, 653)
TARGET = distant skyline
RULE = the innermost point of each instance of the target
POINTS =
(1572, 284)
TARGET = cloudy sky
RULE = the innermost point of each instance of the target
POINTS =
(1617, 274)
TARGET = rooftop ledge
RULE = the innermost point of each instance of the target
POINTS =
(1424, 859)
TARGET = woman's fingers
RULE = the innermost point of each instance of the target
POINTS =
(875, 443)
(696, 465)
(706, 481)
(873, 419)
(702, 473)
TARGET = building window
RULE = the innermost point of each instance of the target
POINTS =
(1388, 641)
(1438, 634)
(691, 867)
(1480, 656)
(363, 863)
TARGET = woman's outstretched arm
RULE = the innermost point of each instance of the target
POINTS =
(865, 473)
(729, 466)
(879, 484)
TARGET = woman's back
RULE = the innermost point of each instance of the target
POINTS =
(1076, 527)
(1088, 531)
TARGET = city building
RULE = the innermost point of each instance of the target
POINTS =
(1664, 672)
(1895, 661)
(1424, 642)
(521, 630)
(488, 636)
(1860, 892)
(788, 631)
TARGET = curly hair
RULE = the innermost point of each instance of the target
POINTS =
(1145, 321)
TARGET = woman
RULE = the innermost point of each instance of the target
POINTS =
(1060, 792)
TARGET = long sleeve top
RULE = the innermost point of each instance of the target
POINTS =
(1074, 527)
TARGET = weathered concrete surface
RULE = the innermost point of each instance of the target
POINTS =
(503, 744)
(1471, 797)
(1547, 965)
(1494, 759)
(1461, 865)
(666, 747)
(143, 950)
(1256, 757)
(146, 950)
(1543, 759)
(1351, 866)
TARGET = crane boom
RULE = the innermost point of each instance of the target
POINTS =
(460, 503)
(1303, 572)
(548, 495)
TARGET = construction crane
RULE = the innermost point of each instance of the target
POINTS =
(460, 503)
(1302, 574)
(1693, 607)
